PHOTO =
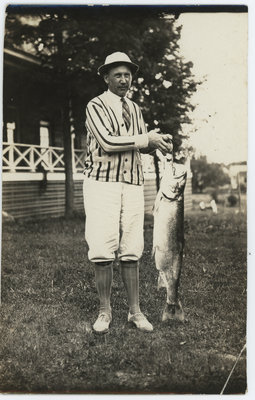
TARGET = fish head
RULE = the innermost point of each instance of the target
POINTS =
(173, 181)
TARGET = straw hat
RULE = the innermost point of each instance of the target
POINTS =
(117, 58)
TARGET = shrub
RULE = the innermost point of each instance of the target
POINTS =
(232, 199)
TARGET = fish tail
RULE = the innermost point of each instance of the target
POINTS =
(162, 282)
(153, 251)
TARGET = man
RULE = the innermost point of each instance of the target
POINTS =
(113, 187)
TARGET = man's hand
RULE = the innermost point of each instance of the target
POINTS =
(160, 142)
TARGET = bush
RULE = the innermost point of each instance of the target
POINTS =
(232, 199)
(243, 188)
(214, 195)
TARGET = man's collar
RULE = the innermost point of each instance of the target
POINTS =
(114, 97)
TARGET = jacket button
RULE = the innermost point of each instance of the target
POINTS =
(125, 172)
(126, 159)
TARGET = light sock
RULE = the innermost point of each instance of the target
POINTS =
(103, 277)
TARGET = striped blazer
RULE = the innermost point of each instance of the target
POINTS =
(113, 152)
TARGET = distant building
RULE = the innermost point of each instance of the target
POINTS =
(238, 174)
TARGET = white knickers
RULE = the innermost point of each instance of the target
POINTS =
(114, 220)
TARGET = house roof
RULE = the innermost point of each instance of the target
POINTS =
(9, 55)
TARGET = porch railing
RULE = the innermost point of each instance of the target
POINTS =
(18, 157)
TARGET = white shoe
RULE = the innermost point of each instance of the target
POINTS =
(140, 322)
(102, 323)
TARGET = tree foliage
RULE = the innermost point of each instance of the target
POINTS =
(74, 41)
(207, 174)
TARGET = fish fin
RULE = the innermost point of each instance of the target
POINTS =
(161, 280)
(156, 203)
(153, 251)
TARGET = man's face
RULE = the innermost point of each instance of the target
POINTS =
(119, 80)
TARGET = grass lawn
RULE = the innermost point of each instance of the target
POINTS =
(49, 302)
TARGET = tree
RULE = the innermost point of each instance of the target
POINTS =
(207, 175)
(74, 41)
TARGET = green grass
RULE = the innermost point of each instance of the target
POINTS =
(49, 302)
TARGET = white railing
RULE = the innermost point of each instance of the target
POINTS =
(17, 157)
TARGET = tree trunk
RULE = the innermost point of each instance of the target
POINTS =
(69, 183)
(67, 139)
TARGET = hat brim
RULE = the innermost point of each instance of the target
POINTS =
(103, 69)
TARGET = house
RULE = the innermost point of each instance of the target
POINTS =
(238, 174)
(33, 155)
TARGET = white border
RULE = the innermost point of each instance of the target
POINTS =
(251, 172)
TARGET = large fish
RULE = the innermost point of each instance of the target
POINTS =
(168, 235)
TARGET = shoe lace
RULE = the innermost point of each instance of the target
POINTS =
(102, 316)
(139, 315)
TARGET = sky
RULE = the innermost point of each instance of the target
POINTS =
(216, 43)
